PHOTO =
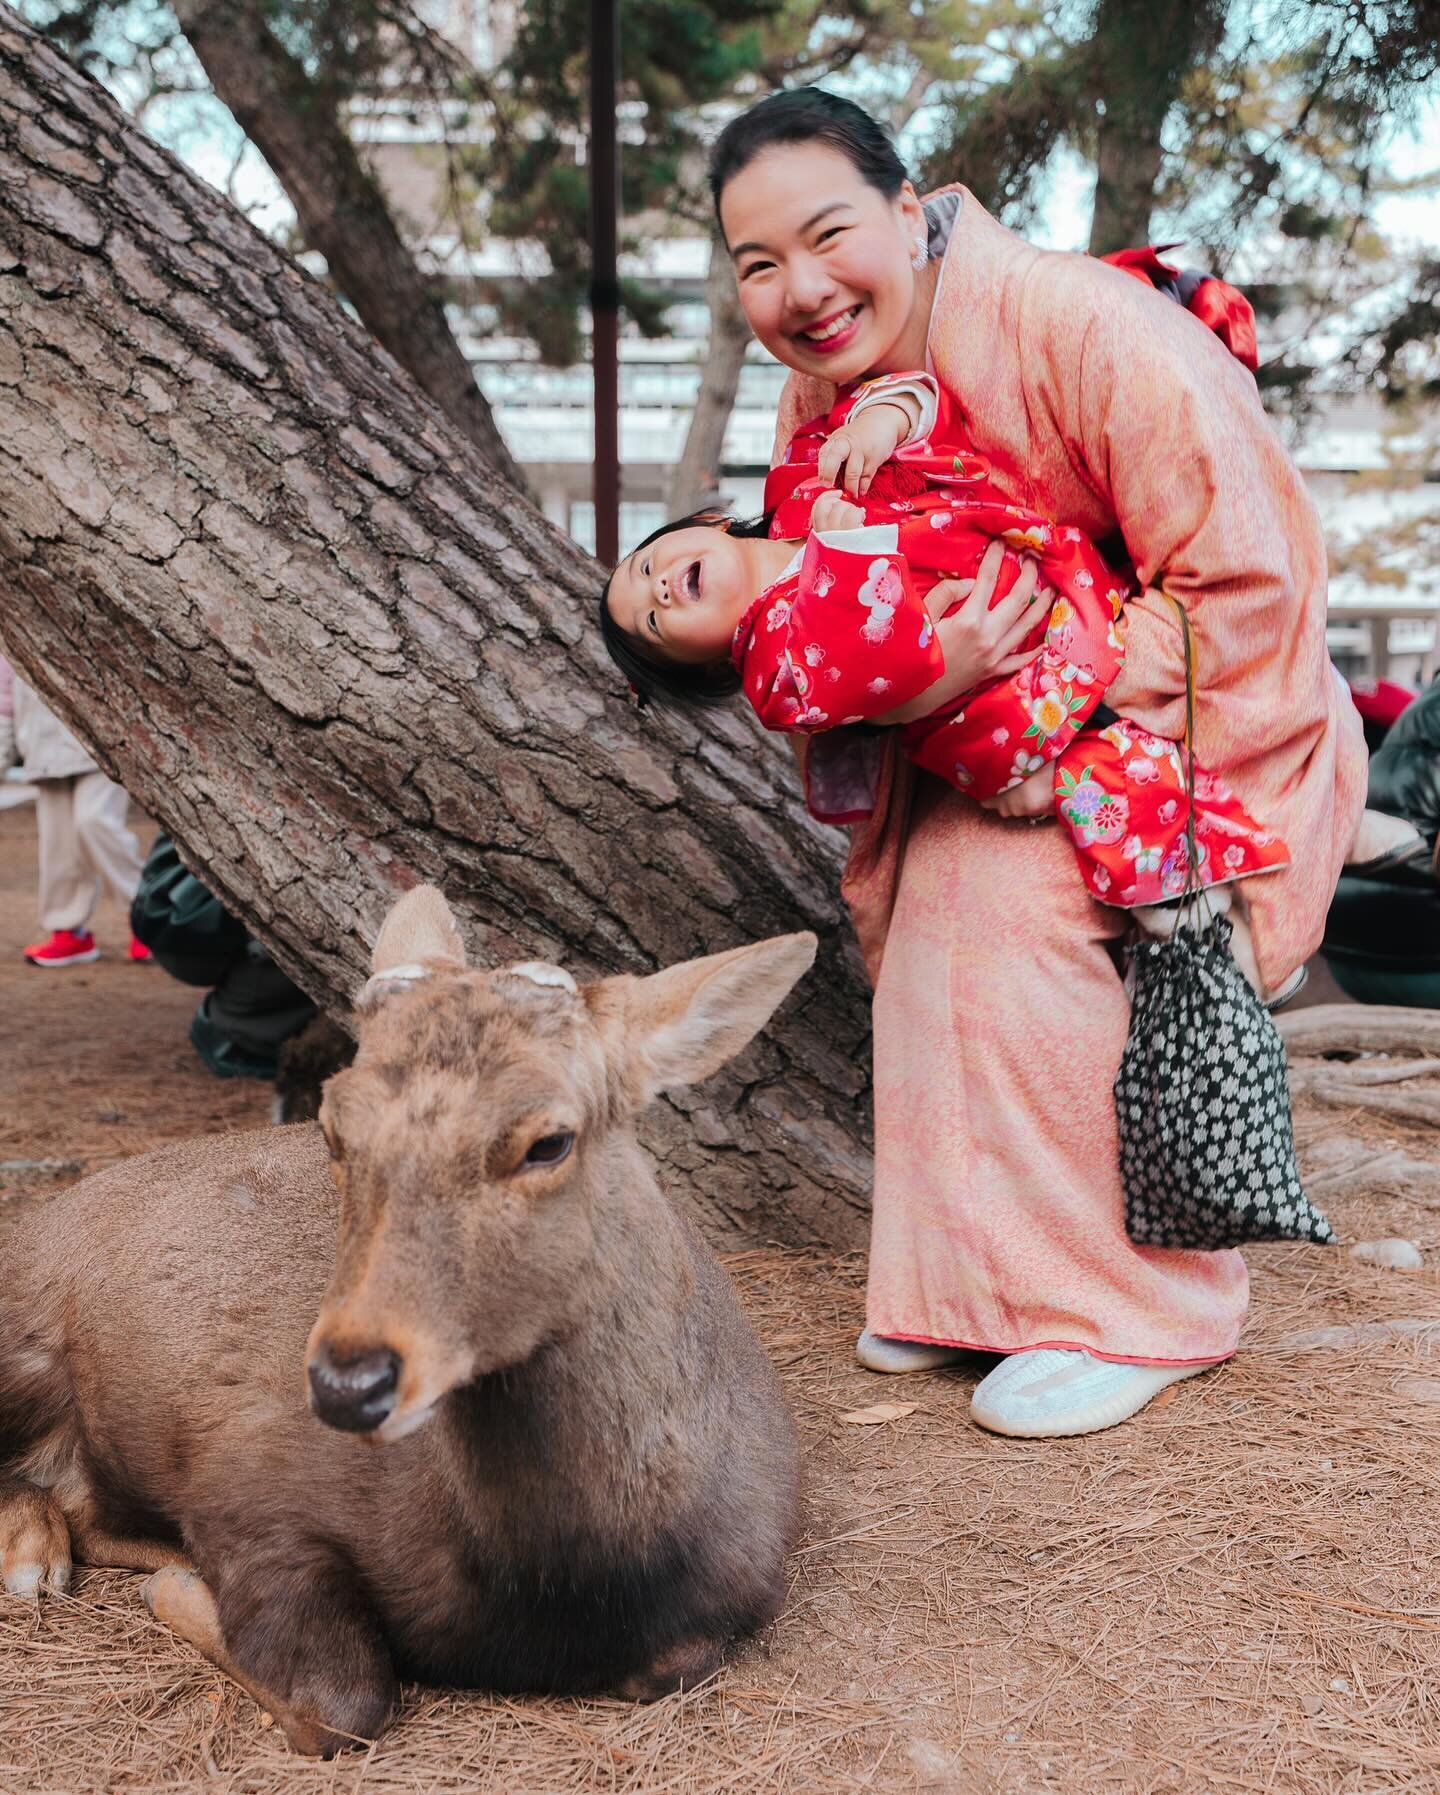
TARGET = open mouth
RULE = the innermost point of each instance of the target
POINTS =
(690, 582)
(831, 333)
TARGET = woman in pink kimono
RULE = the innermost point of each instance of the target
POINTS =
(998, 1220)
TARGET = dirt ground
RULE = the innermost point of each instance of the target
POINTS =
(1239, 1590)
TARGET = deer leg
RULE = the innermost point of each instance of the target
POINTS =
(304, 1649)
(679, 1666)
(34, 1540)
(119, 1552)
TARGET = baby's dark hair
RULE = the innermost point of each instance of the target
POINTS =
(674, 682)
(807, 115)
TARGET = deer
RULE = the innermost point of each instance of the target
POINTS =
(441, 1388)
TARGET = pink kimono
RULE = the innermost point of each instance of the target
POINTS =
(999, 1012)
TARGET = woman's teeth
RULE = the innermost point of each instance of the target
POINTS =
(834, 327)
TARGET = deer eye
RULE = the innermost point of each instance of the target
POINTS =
(550, 1149)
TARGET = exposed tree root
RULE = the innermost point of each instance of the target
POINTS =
(1415, 1106)
(1344, 1165)
(1360, 1028)
(1360, 1072)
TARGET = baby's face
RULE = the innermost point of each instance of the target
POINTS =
(682, 597)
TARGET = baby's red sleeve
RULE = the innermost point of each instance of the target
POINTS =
(849, 641)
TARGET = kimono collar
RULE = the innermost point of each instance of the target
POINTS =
(745, 628)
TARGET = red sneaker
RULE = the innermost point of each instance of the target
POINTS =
(64, 948)
(137, 951)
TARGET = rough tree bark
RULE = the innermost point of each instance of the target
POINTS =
(341, 210)
(296, 613)
(696, 479)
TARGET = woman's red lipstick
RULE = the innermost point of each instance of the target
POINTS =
(840, 340)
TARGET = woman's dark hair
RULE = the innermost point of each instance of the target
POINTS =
(807, 115)
(673, 682)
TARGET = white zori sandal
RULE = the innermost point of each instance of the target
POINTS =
(1051, 1392)
(877, 1352)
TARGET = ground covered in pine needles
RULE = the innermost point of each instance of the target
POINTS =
(1237, 1591)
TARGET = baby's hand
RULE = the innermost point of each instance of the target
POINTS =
(850, 456)
(833, 512)
(1033, 797)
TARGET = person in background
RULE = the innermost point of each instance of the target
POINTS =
(251, 1008)
(85, 846)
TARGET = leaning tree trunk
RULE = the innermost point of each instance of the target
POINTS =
(341, 209)
(696, 480)
(297, 614)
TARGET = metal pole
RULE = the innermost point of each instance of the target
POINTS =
(604, 280)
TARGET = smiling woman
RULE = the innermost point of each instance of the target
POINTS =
(832, 260)
(999, 1014)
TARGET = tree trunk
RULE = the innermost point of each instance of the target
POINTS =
(341, 210)
(1141, 51)
(296, 613)
(696, 480)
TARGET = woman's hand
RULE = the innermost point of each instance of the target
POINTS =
(832, 511)
(978, 643)
(850, 456)
(1032, 798)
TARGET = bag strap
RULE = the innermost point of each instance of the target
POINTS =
(1193, 885)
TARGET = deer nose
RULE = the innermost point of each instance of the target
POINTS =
(353, 1391)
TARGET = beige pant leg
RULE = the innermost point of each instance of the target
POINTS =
(110, 849)
(68, 888)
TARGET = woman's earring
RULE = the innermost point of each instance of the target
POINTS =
(921, 254)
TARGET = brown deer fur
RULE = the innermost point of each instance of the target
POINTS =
(604, 1486)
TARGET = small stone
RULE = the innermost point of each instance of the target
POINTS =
(1398, 1255)
(1339, 1686)
(1327, 1464)
(110, 1115)
(1312, 1704)
(1012, 1738)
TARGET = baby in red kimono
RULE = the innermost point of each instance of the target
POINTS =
(856, 639)
(838, 633)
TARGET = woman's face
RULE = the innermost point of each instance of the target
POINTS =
(823, 263)
(681, 598)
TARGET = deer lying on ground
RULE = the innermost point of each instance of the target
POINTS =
(605, 1486)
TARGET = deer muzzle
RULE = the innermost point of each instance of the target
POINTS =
(353, 1391)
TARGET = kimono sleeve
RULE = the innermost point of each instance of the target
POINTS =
(1169, 428)
(922, 390)
(851, 641)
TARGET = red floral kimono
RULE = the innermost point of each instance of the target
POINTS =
(844, 635)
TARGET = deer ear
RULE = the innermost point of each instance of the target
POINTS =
(679, 1026)
(419, 937)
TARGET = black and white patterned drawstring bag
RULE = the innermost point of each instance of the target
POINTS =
(1207, 1152)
